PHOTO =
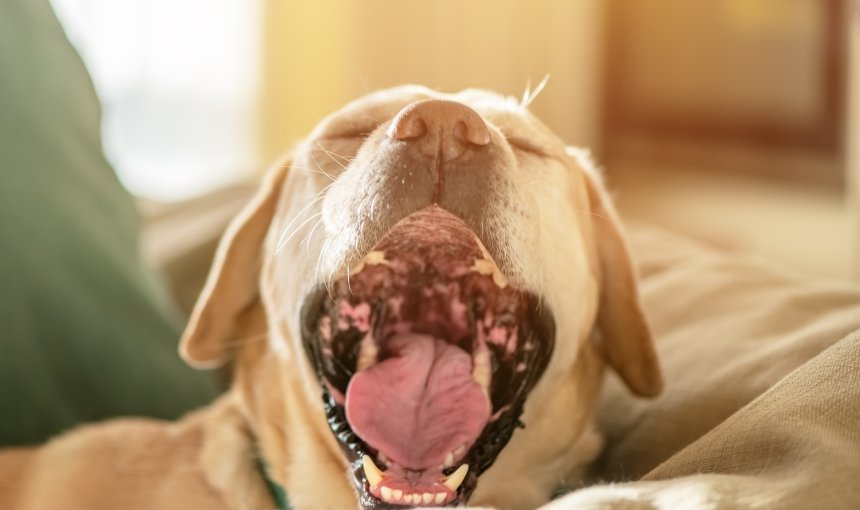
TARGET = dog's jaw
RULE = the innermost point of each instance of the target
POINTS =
(428, 287)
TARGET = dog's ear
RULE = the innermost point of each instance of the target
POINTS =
(623, 334)
(233, 283)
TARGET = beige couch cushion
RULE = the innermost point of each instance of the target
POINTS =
(180, 238)
(762, 405)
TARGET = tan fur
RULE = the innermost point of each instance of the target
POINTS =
(287, 241)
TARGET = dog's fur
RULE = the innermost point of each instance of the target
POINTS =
(556, 235)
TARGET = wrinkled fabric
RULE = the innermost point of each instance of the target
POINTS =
(87, 331)
(762, 403)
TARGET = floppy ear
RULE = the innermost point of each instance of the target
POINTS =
(623, 334)
(233, 283)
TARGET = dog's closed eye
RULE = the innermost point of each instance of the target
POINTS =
(524, 145)
(350, 134)
(357, 128)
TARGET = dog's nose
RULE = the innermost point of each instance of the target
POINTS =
(437, 122)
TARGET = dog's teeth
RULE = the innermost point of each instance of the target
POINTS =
(486, 266)
(408, 498)
(481, 375)
(386, 493)
(398, 494)
(440, 498)
(449, 460)
(367, 354)
(373, 258)
(373, 474)
(453, 482)
(482, 370)
(428, 497)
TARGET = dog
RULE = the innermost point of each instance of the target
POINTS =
(418, 306)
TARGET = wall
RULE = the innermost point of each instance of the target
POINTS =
(744, 149)
(319, 54)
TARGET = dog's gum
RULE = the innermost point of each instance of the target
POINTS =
(429, 275)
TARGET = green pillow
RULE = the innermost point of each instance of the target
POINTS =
(86, 330)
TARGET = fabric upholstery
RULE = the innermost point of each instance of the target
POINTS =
(762, 402)
(88, 330)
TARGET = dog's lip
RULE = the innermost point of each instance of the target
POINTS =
(536, 330)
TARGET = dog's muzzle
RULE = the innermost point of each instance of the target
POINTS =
(425, 354)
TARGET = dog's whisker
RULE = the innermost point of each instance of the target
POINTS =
(362, 77)
(320, 258)
(312, 170)
(530, 95)
(317, 163)
(296, 230)
(526, 93)
(307, 239)
(374, 119)
(332, 155)
(298, 215)
(245, 341)
(320, 193)
(314, 200)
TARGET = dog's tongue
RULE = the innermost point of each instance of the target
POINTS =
(419, 404)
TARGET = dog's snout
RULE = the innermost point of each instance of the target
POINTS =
(436, 152)
(439, 123)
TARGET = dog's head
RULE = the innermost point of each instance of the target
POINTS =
(442, 270)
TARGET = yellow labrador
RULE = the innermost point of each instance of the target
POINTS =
(418, 304)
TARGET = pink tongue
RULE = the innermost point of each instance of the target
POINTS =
(418, 405)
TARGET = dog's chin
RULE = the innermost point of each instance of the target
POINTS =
(425, 355)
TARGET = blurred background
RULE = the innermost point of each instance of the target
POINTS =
(730, 121)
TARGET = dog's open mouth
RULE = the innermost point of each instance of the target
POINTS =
(425, 354)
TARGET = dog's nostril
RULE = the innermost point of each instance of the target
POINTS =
(448, 118)
(408, 129)
(477, 135)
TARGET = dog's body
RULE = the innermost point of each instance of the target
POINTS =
(544, 230)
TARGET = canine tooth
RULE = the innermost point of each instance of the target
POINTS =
(428, 497)
(481, 375)
(398, 494)
(375, 258)
(453, 482)
(481, 372)
(449, 460)
(440, 498)
(486, 266)
(373, 474)
(483, 266)
(367, 353)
